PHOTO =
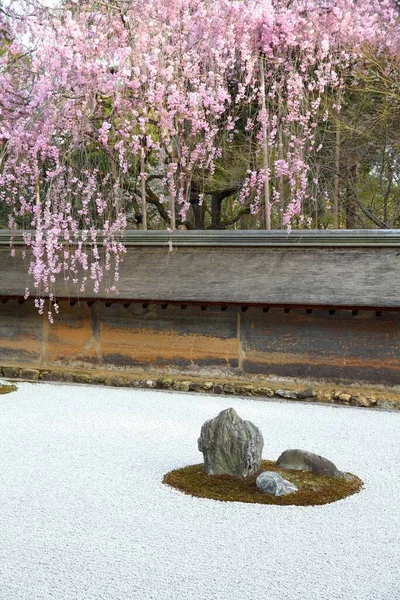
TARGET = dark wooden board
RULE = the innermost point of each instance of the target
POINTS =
(364, 277)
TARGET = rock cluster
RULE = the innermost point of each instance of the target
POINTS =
(230, 445)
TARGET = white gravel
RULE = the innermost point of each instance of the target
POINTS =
(84, 515)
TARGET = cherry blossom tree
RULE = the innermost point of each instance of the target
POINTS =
(120, 107)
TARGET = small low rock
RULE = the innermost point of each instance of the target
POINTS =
(83, 378)
(135, 383)
(100, 380)
(149, 383)
(31, 374)
(165, 383)
(182, 386)
(306, 395)
(263, 391)
(274, 484)
(195, 386)
(10, 372)
(218, 389)
(289, 394)
(301, 460)
(388, 404)
(208, 385)
(117, 381)
(342, 397)
(363, 401)
(66, 376)
(324, 397)
(229, 388)
(246, 390)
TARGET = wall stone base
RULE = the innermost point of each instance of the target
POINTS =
(303, 391)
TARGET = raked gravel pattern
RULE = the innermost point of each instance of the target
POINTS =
(84, 515)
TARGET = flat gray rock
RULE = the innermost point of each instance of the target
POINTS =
(274, 484)
(301, 460)
(230, 445)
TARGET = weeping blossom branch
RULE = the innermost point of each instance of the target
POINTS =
(91, 87)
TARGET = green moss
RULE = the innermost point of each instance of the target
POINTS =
(7, 389)
(313, 490)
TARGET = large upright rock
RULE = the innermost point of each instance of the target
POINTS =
(230, 446)
(301, 460)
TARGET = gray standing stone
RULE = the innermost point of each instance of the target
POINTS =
(274, 484)
(230, 445)
(301, 460)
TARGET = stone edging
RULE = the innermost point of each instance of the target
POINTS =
(314, 393)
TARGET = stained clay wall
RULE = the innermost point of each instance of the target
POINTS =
(342, 346)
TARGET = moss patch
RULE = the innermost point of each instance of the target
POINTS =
(7, 389)
(313, 490)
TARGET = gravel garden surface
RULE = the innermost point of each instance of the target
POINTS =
(84, 514)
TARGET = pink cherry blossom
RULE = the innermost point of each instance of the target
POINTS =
(169, 80)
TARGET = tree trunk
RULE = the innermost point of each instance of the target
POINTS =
(351, 197)
(337, 169)
(197, 210)
(267, 201)
(143, 189)
(216, 211)
(198, 216)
